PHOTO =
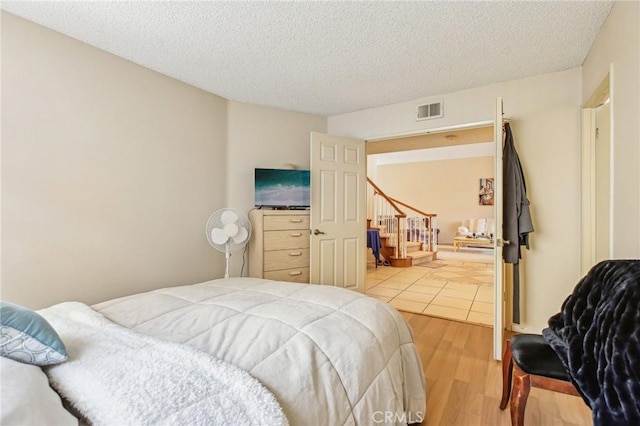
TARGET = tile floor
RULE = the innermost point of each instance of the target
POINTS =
(452, 287)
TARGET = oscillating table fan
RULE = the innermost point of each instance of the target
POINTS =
(228, 230)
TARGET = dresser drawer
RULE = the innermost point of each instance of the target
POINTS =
(279, 247)
(273, 223)
(297, 275)
(284, 240)
(286, 259)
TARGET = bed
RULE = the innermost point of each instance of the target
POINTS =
(314, 355)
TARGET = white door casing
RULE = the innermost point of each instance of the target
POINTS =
(589, 219)
(603, 183)
(338, 211)
(498, 263)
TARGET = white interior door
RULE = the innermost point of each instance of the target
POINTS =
(498, 264)
(338, 211)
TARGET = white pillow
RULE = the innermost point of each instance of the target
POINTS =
(463, 230)
(27, 398)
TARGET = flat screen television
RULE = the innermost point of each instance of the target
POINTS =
(283, 188)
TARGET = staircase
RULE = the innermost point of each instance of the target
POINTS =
(406, 239)
(415, 253)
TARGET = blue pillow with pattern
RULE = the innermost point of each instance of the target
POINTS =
(27, 337)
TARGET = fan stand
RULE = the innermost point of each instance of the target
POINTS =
(227, 255)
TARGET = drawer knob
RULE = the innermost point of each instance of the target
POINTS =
(295, 253)
(295, 220)
(295, 234)
(294, 273)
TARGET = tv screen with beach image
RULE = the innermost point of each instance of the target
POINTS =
(282, 188)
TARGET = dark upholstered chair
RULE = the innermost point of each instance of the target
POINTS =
(530, 361)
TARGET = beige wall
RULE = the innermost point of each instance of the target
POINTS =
(109, 172)
(545, 113)
(264, 138)
(618, 47)
(453, 198)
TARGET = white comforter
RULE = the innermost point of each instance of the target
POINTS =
(115, 376)
(330, 356)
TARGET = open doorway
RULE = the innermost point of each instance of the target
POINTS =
(439, 172)
(597, 143)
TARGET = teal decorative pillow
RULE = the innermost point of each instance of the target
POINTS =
(27, 337)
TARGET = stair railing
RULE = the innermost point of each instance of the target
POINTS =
(421, 227)
(387, 214)
(416, 226)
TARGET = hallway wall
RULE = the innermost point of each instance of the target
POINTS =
(617, 50)
(448, 188)
(545, 119)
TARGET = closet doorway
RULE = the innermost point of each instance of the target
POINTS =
(597, 143)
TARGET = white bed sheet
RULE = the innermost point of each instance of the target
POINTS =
(330, 356)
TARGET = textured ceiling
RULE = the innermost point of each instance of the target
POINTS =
(330, 58)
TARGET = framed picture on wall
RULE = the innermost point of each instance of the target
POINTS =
(485, 194)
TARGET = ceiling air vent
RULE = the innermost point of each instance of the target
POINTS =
(429, 111)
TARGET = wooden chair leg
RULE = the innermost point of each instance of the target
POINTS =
(520, 393)
(507, 374)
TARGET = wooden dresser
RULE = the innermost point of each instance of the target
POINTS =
(279, 246)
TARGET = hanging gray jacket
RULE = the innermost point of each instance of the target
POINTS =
(516, 215)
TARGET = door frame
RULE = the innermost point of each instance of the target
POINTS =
(499, 289)
(500, 297)
(588, 170)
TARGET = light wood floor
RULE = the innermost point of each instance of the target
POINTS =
(464, 383)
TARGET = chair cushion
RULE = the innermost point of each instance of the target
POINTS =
(534, 356)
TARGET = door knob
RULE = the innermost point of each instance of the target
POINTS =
(317, 232)
(501, 243)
